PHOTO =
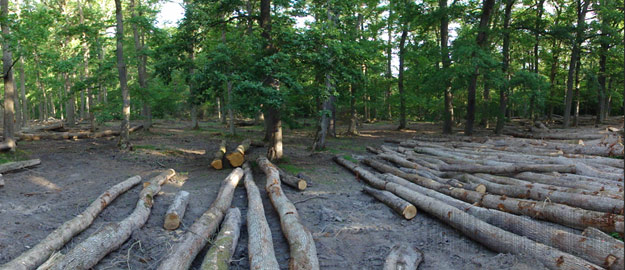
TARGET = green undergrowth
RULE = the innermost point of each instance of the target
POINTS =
(16, 155)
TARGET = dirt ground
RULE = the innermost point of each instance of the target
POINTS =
(351, 230)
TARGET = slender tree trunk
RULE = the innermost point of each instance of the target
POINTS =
(482, 38)
(503, 90)
(448, 114)
(7, 71)
(230, 111)
(141, 65)
(400, 81)
(353, 122)
(603, 50)
(87, 101)
(537, 28)
(124, 138)
(389, 72)
(555, 50)
(576, 113)
(25, 116)
(486, 105)
(579, 37)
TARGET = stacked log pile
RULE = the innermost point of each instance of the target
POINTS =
(494, 191)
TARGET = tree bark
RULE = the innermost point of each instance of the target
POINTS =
(124, 138)
(515, 168)
(223, 247)
(577, 101)
(491, 236)
(237, 157)
(141, 65)
(111, 236)
(203, 228)
(175, 212)
(217, 162)
(260, 245)
(292, 181)
(274, 128)
(582, 8)
(448, 114)
(25, 116)
(301, 244)
(73, 135)
(403, 257)
(401, 207)
(35, 256)
(7, 71)
(591, 232)
(561, 181)
(400, 80)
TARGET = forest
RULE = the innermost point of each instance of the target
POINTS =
(490, 132)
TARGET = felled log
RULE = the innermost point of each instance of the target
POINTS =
(599, 235)
(301, 244)
(45, 127)
(583, 169)
(218, 157)
(111, 236)
(490, 236)
(403, 257)
(560, 181)
(1, 181)
(203, 228)
(219, 255)
(595, 203)
(400, 206)
(176, 210)
(237, 157)
(515, 168)
(552, 135)
(38, 254)
(292, 181)
(17, 165)
(593, 250)
(557, 213)
(260, 245)
(72, 135)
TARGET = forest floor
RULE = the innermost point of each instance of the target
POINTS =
(351, 229)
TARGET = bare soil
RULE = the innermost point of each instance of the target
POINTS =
(351, 229)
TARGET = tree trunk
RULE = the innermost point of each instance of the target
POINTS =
(35, 256)
(175, 212)
(560, 181)
(70, 109)
(203, 228)
(389, 60)
(486, 104)
(400, 80)
(230, 111)
(217, 162)
(602, 90)
(223, 247)
(274, 126)
(579, 38)
(25, 116)
(403, 257)
(482, 39)
(301, 244)
(353, 119)
(260, 245)
(401, 207)
(491, 236)
(141, 65)
(124, 138)
(448, 114)
(237, 157)
(591, 232)
(74, 135)
(292, 181)
(111, 236)
(326, 115)
(9, 87)
(577, 101)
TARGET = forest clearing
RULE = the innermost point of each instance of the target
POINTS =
(305, 135)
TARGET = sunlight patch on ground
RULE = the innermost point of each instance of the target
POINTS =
(40, 181)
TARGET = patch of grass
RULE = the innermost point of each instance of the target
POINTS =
(617, 236)
(147, 146)
(17, 155)
(350, 158)
(292, 169)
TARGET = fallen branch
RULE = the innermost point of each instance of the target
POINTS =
(404, 208)
(18, 165)
(219, 255)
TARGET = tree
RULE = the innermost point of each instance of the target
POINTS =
(503, 90)
(9, 87)
(124, 138)
(141, 62)
(273, 120)
(582, 9)
(448, 113)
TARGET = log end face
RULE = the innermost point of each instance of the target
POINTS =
(301, 185)
(172, 222)
(409, 212)
(236, 159)
(217, 164)
(481, 188)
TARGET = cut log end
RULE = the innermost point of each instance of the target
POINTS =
(217, 164)
(172, 221)
(236, 159)
(409, 212)
(481, 188)
(301, 184)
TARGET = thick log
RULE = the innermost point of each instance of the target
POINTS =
(510, 169)
(111, 236)
(72, 135)
(557, 213)
(403, 257)
(301, 244)
(553, 135)
(219, 255)
(38, 254)
(400, 206)
(260, 245)
(292, 181)
(17, 165)
(583, 169)
(558, 180)
(45, 127)
(237, 157)
(176, 210)
(599, 235)
(218, 157)
(490, 236)
(203, 228)
(593, 250)
(595, 203)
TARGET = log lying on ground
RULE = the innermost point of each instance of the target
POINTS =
(491, 236)
(595, 203)
(516, 168)
(554, 212)
(599, 235)
(400, 206)
(7, 146)
(292, 181)
(17, 165)
(200, 232)
(72, 135)
(559, 181)
(553, 135)
(35, 256)
(403, 257)
(1, 181)
(45, 127)
(237, 157)
(260, 245)
(218, 157)
(111, 236)
(583, 169)
(219, 255)
(176, 210)
(301, 244)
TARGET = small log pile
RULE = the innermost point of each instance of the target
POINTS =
(494, 191)
(70, 135)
